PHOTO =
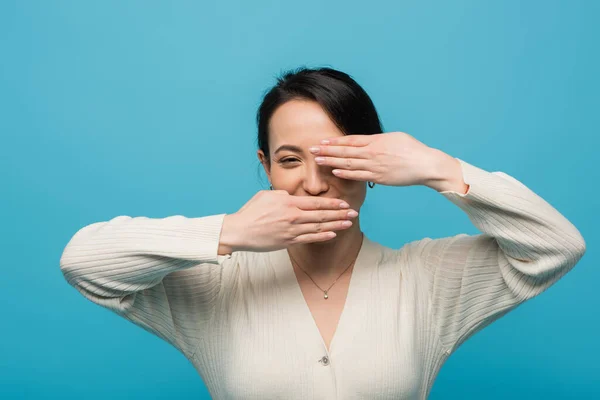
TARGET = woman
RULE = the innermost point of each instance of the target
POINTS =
(287, 298)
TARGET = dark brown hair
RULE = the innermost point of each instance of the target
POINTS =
(340, 96)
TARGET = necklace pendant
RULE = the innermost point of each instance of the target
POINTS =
(326, 296)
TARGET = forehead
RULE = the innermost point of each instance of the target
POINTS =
(300, 122)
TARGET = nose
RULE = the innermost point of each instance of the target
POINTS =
(315, 180)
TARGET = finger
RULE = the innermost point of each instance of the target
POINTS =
(324, 216)
(314, 237)
(318, 203)
(340, 151)
(348, 140)
(320, 227)
(355, 175)
(344, 163)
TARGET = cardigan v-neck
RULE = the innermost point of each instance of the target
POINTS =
(357, 290)
(242, 320)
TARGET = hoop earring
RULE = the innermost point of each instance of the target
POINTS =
(371, 184)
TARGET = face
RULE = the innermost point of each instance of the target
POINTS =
(294, 127)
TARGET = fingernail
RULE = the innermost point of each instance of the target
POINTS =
(344, 205)
(352, 214)
(314, 150)
(324, 141)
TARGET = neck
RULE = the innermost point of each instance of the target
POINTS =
(327, 260)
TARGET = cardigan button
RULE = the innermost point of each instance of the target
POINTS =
(324, 360)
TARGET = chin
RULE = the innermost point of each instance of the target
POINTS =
(341, 234)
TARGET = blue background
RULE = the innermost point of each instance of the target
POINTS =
(147, 108)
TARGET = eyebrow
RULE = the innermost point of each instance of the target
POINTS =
(289, 147)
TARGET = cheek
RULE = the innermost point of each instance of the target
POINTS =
(352, 186)
(285, 177)
(354, 190)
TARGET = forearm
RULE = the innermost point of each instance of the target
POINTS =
(126, 254)
(537, 241)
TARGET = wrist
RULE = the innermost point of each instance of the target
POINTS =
(447, 174)
(229, 241)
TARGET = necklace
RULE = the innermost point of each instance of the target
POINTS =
(325, 295)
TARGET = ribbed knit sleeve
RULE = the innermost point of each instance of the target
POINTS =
(143, 269)
(524, 247)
